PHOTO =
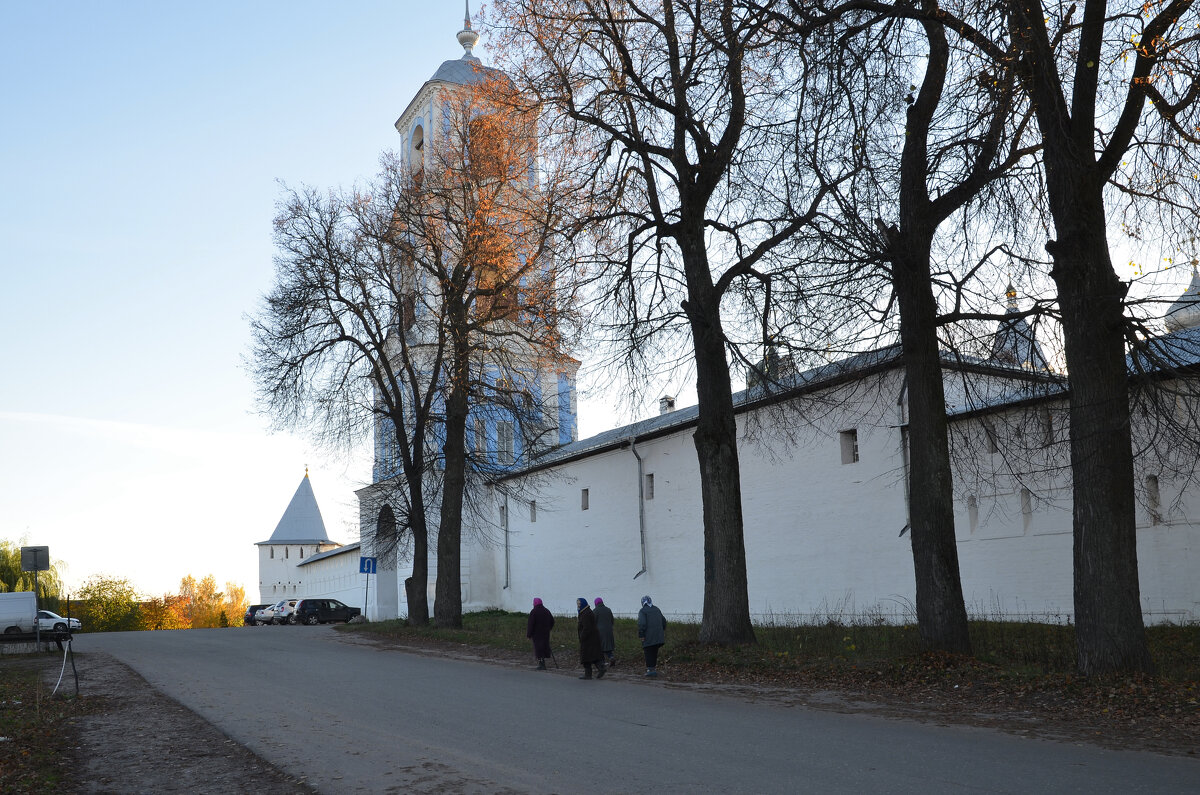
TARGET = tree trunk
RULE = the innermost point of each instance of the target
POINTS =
(726, 616)
(447, 603)
(416, 587)
(941, 612)
(1110, 634)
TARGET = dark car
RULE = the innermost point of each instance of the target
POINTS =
(248, 619)
(320, 611)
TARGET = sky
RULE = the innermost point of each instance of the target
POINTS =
(142, 149)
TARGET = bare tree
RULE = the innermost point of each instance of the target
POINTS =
(332, 353)
(703, 187)
(961, 131)
(1091, 134)
(1114, 93)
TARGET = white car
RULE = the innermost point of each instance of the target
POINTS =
(284, 612)
(53, 622)
(265, 615)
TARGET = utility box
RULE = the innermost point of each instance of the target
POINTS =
(18, 612)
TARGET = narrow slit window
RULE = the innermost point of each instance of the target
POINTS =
(973, 512)
(1153, 499)
(532, 511)
(1026, 508)
(649, 491)
(583, 500)
(849, 442)
(480, 439)
(990, 439)
(504, 442)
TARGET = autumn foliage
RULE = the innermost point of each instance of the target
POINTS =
(111, 604)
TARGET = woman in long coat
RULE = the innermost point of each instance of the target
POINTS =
(604, 625)
(589, 641)
(541, 621)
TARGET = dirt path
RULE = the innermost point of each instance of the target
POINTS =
(142, 742)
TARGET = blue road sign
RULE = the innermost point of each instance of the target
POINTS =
(366, 565)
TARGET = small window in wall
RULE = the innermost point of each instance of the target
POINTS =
(301, 553)
(849, 440)
(1047, 422)
(272, 553)
(532, 511)
(504, 442)
(480, 439)
(991, 441)
(973, 512)
(1153, 499)
(583, 499)
(285, 553)
(1026, 508)
(503, 517)
(649, 491)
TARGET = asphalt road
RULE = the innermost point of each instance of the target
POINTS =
(350, 717)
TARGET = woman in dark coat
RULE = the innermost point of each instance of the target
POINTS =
(589, 641)
(604, 625)
(652, 629)
(541, 621)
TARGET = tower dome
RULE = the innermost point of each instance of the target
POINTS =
(1185, 312)
(1015, 343)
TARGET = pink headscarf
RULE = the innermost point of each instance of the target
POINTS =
(536, 601)
(599, 601)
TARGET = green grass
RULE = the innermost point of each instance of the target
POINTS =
(35, 727)
(1018, 647)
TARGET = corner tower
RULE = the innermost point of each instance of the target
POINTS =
(300, 534)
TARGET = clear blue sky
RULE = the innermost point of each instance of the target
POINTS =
(140, 151)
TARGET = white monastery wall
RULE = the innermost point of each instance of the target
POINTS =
(336, 577)
(822, 536)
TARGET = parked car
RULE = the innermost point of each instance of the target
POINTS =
(320, 611)
(266, 615)
(249, 620)
(53, 622)
(284, 610)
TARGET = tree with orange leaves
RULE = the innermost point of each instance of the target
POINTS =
(434, 294)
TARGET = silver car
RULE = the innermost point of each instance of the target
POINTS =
(53, 622)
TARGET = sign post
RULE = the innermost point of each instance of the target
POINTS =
(366, 566)
(35, 559)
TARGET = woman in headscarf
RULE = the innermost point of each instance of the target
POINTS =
(652, 629)
(537, 629)
(604, 625)
(589, 641)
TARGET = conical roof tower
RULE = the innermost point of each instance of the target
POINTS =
(301, 522)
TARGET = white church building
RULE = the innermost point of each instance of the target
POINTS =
(824, 470)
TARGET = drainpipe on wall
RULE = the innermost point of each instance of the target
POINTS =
(641, 504)
(507, 522)
(903, 425)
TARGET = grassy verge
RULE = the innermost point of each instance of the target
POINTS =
(35, 727)
(1020, 649)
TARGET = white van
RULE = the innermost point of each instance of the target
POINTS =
(17, 612)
